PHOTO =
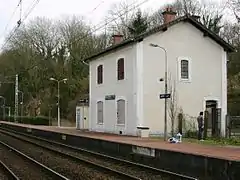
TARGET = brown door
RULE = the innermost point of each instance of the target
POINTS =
(211, 107)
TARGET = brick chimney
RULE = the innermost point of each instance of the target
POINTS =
(117, 38)
(169, 15)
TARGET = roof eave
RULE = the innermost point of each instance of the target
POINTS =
(109, 49)
(227, 47)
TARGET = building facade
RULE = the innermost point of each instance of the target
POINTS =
(125, 86)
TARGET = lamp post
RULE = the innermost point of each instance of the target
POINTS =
(9, 110)
(21, 102)
(166, 89)
(58, 96)
(3, 106)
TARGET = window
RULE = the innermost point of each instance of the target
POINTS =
(100, 112)
(184, 69)
(121, 112)
(100, 74)
(120, 69)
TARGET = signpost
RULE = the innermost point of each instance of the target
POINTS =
(165, 96)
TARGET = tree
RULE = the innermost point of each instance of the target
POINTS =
(121, 14)
(45, 48)
(213, 23)
(138, 24)
(210, 13)
(235, 7)
(172, 104)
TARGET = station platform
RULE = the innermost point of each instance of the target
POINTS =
(192, 159)
(214, 151)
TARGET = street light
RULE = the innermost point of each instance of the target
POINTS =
(166, 90)
(9, 110)
(58, 95)
(3, 106)
(21, 102)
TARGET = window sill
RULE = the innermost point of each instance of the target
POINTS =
(100, 124)
(99, 85)
(121, 125)
(121, 81)
(185, 80)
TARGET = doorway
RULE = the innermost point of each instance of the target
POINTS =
(212, 118)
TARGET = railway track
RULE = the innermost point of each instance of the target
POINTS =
(18, 165)
(6, 173)
(64, 163)
(136, 170)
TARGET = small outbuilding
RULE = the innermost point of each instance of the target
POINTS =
(82, 114)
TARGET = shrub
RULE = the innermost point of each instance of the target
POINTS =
(226, 141)
(38, 120)
(191, 134)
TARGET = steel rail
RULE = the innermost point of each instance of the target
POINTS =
(45, 168)
(74, 158)
(160, 171)
(8, 172)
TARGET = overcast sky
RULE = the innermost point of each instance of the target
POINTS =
(93, 10)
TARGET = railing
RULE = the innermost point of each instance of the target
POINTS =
(233, 126)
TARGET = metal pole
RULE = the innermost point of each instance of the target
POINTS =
(9, 111)
(22, 106)
(166, 91)
(4, 100)
(59, 124)
(16, 99)
(49, 116)
(3, 106)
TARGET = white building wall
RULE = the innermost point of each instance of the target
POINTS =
(207, 73)
(123, 89)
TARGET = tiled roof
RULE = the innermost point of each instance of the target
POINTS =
(164, 27)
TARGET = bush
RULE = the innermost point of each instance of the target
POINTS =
(38, 120)
(235, 141)
(191, 134)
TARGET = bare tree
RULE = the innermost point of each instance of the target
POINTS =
(172, 103)
(122, 13)
(231, 33)
(235, 7)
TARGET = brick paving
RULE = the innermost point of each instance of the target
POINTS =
(221, 152)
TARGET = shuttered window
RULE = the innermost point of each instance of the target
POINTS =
(184, 69)
(100, 74)
(121, 112)
(120, 69)
(100, 112)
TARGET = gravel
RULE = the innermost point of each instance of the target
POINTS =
(23, 168)
(140, 172)
(134, 170)
(62, 165)
(3, 176)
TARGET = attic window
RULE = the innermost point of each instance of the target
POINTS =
(100, 74)
(120, 69)
(184, 69)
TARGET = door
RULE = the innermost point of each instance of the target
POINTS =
(85, 117)
(211, 107)
(78, 117)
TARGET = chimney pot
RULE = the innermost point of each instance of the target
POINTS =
(169, 15)
(117, 38)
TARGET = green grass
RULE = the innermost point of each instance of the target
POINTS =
(215, 141)
(211, 141)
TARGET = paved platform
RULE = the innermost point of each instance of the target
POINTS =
(212, 151)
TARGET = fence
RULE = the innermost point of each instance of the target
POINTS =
(233, 126)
